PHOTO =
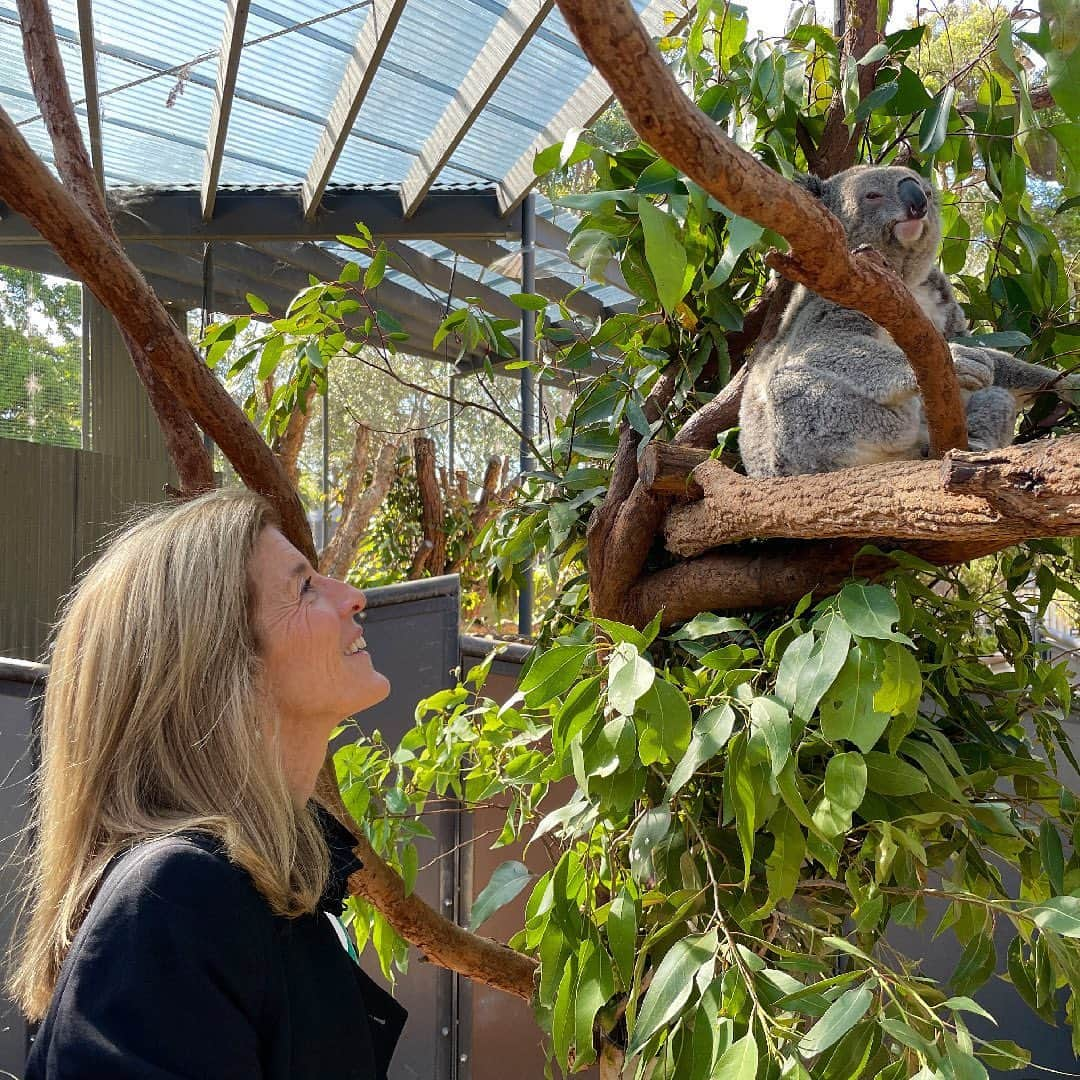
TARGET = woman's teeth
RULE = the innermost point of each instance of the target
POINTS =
(356, 646)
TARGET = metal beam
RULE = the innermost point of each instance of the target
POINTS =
(586, 103)
(371, 44)
(511, 34)
(423, 268)
(232, 41)
(254, 215)
(90, 88)
(487, 253)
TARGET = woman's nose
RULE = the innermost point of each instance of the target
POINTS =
(357, 603)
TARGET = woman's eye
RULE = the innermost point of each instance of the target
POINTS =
(307, 586)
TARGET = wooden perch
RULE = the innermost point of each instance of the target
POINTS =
(994, 499)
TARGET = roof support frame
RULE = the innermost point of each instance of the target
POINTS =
(232, 42)
(586, 103)
(175, 217)
(371, 44)
(90, 88)
(507, 41)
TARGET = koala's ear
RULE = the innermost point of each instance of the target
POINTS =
(815, 185)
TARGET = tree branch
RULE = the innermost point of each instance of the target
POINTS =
(431, 505)
(290, 444)
(357, 508)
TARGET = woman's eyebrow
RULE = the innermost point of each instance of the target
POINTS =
(299, 570)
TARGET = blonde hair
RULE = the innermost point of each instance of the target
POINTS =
(155, 722)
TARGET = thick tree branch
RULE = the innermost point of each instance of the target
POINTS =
(431, 506)
(615, 41)
(440, 940)
(290, 444)
(989, 499)
(357, 508)
(182, 438)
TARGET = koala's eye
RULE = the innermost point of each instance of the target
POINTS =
(870, 195)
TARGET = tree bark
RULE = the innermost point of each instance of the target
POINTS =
(838, 147)
(357, 509)
(1016, 494)
(615, 41)
(290, 444)
(431, 505)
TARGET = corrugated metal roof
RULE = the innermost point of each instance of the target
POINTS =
(158, 67)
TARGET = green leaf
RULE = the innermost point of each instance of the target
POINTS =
(977, 963)
(935, 122)
(665, 254)
(410, 864)
(771, 719)
(621, 929)
(965, 1004)
(651, 829)
(711, 732)
(594, 986)
(889, 775)
(547, 160)
(901, 682)
(529, 301)
(257, 305)
(1004, 1054)
(845, 788)
(1052, 856)
(821, 667)
(738, 1062)
(1059, 914)
(841, 1016)
(350, 272)
(663, 723)
(784, 864)
(744, 786)
(552, 673)
(506, 882)
(847, 710)
(629, 675)
(271, 356)
(877, 98)
(791, 665)
(705, 625)
(869, 611)
(671, 987)
(742, 234)
(374, 273)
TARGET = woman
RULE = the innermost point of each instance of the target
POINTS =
(181, 881)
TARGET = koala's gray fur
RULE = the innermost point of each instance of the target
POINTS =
(832, 389)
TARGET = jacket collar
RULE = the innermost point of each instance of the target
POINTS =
(343, 862)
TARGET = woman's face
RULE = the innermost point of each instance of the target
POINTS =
(317, 665)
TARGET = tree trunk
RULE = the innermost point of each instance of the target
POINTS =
(431, 506)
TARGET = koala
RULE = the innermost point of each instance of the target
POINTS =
(832, 389)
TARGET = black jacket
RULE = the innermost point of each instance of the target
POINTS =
(181, 970)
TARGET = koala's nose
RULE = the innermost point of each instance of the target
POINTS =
(913, 197)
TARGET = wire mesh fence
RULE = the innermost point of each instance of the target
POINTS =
(41, 358)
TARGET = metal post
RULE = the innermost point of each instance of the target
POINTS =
(528, 411)
(324, 529)
(451, 426)
(207, 312)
